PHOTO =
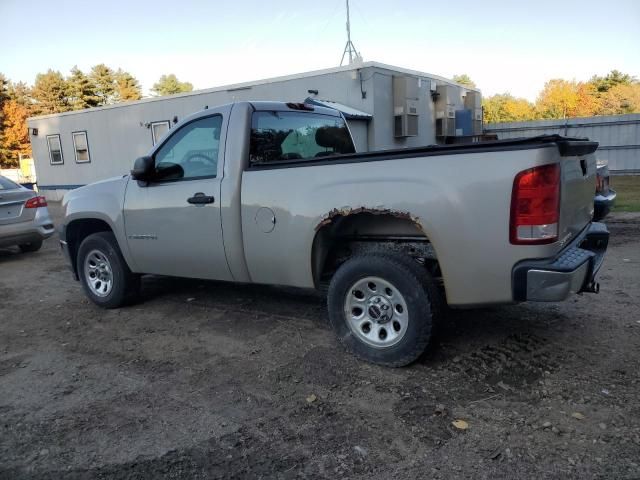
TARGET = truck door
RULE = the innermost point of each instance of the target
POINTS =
(173, 222)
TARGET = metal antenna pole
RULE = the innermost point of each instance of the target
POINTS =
(349, 48)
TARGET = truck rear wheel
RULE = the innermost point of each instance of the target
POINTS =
(103, 272)
(382, 307)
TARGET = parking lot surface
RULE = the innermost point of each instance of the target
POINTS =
(210, 380)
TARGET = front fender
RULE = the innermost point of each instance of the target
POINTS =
(100, 201)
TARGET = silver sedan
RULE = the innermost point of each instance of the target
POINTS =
(24, 217)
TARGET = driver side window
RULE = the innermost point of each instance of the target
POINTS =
(191, 152)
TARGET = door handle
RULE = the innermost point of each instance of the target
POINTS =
(200, 199)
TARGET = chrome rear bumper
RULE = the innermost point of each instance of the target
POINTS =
(572, 271)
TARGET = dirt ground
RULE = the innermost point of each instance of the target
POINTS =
(209, 380)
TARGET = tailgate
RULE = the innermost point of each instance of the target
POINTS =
(578, 185)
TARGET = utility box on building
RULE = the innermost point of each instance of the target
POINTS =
(473, 102)
(446, 110)
(405, 106)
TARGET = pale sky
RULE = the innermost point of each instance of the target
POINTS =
(504, 46)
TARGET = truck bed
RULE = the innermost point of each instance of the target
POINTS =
(460, 200)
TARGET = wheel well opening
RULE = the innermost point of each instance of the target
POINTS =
(343, 235)
(77, 231)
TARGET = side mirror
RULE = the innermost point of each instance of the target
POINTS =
(142, 169)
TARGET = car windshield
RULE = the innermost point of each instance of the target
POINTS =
(6, 184)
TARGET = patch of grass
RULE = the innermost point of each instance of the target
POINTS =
(628, 188)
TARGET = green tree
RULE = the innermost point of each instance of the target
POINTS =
(21, 93)
(169, 85)
(4, 89)
(50, 93)
(464, 79)
(104, 83)
(613, 78)
(507, 108)
(82, 92)
(127, 87)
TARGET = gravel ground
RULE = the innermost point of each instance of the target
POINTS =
(209, 380)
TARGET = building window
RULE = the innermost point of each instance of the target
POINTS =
(81, 147)
(55, 150)
(158, 129)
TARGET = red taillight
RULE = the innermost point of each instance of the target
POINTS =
(599, 183)
(535, 206)
(35, 202)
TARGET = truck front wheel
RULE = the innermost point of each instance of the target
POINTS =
(103, 272)
(382, 307)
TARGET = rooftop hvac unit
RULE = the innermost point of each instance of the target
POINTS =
(448, 96)
(446, 122)
(405, 106)
(473, 102)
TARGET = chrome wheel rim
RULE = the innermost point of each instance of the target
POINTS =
(376, 312)
(98, 273)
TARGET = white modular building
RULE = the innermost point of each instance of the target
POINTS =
(385, 106)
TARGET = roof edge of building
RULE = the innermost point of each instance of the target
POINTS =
(252, 83)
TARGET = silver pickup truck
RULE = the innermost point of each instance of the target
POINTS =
(274, 193)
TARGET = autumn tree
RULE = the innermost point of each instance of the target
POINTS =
(464, 79)
(14, 138)
(169, 85)
(507, 108)
(104, 83)
(127, 87)
(50, 93)
(588, 100)
(82, 92)
(620, 99)
(4, 95)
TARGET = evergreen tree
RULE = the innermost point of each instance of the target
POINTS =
(50, 93)
(4, 87)
(82, 93)
(127, 87)
(170, 85)
(104, 83)
(21, 93)
(613, 78)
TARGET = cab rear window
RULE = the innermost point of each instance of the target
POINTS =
(282, 136)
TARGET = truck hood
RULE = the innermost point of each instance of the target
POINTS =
(113, 184)
(101, 200)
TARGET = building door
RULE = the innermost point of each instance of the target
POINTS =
(173, 223)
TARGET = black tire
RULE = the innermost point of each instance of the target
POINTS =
(126, 285)
(414, 283)
(31, 246)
